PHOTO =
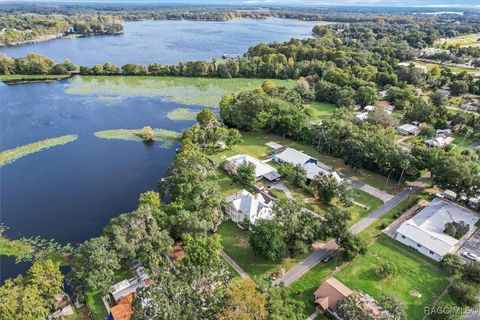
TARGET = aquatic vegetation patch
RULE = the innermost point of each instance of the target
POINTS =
(192, 91)
(182, 114)
(10, 155)
(136, 134)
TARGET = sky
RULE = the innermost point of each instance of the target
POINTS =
(396, 3)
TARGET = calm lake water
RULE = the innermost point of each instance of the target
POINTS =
(169, 42)
(70, 192)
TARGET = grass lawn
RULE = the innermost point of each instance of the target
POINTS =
(95, 304)
(123, 274)
(303, 288)
(322, 110)
(416, 274)
(226, 183)
(10, 155)
(366, 199)
(192, 91)
(465, 40)
(235, 244)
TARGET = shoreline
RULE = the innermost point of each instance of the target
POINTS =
(55, 37)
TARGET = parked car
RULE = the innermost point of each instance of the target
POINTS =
(327, 258)
(471, 256)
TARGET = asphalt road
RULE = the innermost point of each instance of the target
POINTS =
(313, 259)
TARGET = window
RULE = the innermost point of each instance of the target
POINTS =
(419, 245)
(403, 237)
(431, 252)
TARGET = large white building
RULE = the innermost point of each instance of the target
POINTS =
(261, 169)
(244, 205)
(424, 232)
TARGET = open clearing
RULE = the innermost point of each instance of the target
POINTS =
(190, 91)
(466, 40)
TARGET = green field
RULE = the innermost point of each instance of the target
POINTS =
(135, 134)
(193, 91)
(235, 244)
(322, 110)
(10, 155)
(417, 283)
(465, 40)
(182, 114)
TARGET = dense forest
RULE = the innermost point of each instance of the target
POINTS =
(20, 28)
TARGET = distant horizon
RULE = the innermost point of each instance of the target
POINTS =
(443, 4)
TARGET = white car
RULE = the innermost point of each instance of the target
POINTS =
(471, 256)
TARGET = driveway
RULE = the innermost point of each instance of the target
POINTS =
(471, 245)
(377, 193)
(279, 185)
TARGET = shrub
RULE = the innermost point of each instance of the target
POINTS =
(387, 269)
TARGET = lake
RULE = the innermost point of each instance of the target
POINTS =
(169, 41)
(69, 193)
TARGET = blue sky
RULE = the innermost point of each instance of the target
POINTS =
(396, 3)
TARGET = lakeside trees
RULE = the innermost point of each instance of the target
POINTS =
(32, 296)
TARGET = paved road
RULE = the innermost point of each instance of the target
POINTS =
(372, 217)
(313, 259)
(235, 266)
(380, 194)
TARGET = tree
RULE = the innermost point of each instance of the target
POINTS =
(268, 239)
(21, 302)
(451, 263)
(326, 187)
(427, 131)
(471, 272)
(295, 175)
(352, 246)
(387, 269)
(349, 308)
(244, 301)
(136, 236)
(202, 251)
(149, 198)
(233, 138)
(282, 306)
(46, 276)
(33, 296)
(396, 309)
(458, 87)
(95, 266)
(207, 119)
(366, 95)
(463, 295)
(245, 173)
(147, 134)
(438, 99)
(456, 229)
(191, 292)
